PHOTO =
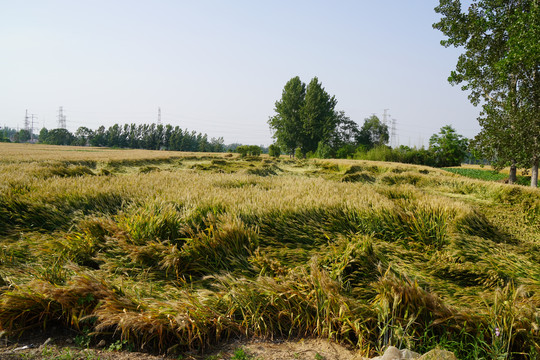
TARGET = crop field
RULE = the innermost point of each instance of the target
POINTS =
(170, 252)
(487, 174)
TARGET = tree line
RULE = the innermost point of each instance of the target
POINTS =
(307, 124)
(133, 136)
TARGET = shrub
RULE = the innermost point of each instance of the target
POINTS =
(245, 150)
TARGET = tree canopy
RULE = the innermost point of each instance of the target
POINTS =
(287, 124)
(144, 136)
(373, 132)
(448, 147)
(500, 66)
(305, 117)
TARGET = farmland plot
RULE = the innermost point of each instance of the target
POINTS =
(168, 252)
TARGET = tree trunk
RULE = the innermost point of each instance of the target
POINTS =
(513, 174)
(534, 174)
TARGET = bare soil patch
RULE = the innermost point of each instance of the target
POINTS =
(62, 347)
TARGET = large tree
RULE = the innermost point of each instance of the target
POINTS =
(346, 136)
(448, 147)
(374, 132)
(318, 116)
(305, 116)
(500, 67)
(287, 124)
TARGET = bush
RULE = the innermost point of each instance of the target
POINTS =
(324, 151)
(402, 154)
(252, 150)
(274, 151)
(345, 152)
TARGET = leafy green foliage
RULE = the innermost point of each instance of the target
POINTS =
(22, 136)
(56, 137)
(318, 116)
(287, 124)
(448, 147)
(274, 151)
(373, 133)
(499, 66)
(245, 150)
(241, 354)
(144, 136)
(487, 175)
(306, 116)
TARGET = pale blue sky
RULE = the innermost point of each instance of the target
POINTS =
(218, 67)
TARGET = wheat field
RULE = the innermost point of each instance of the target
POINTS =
(170, 251)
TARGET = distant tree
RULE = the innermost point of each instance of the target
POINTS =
(274, 151)
(254, 150)
(448, 148)
(345, 137)
(217, 145)
(22, 136)
(42, 137)
(324, 151)
(113, 136)
(100, 137)
(373, 133)
(4, 137)
(243, 150)
(6, 133)
(144, 136)
(82, 136)
(59, 137)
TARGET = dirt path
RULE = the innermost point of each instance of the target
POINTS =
(62, 348)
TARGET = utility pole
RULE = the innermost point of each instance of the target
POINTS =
(159, 116)
(61, 118)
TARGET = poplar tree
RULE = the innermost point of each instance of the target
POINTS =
(287, 124)
(318, 116)
(305, 116)
(500, 66)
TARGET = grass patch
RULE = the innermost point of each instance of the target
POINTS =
(487, 175)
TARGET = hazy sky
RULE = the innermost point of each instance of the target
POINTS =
(218, 67)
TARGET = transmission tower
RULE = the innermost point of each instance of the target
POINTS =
(61, 118)
(393, 134)
(385, 117)
(159, 116)
(26, 121)
(33, 117)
